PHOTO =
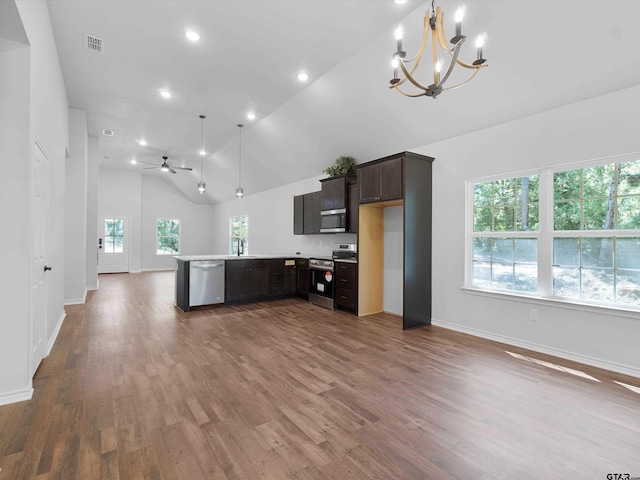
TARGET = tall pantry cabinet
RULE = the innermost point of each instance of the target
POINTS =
(403, 179)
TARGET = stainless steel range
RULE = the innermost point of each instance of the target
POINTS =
(322, 276)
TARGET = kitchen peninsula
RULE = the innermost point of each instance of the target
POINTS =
(211, 279)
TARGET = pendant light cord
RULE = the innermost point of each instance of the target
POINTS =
(240, 156)
(202, 117)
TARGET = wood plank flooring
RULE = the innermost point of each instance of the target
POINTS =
(136, 389)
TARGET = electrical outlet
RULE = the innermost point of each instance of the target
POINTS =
(533, 314)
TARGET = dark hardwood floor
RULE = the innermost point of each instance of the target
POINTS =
(134, 388)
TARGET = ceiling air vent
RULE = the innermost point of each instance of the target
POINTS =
(107, 133)
(93, 44)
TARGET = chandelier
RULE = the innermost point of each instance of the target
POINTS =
(433, 27)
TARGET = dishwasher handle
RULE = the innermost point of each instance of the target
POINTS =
(207, 265)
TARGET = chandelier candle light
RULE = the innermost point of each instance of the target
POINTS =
(434, 24)
(202, 187)
(239, 190)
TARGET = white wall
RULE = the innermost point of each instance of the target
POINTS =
(271, 223)
(160, 200)
(393, 259)
(14, 208)
(93, 185)
(120, 193)
(600, 127)
(145, 199)
(75, 243)
(34, 109)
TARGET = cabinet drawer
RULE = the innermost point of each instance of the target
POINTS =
(346, 298)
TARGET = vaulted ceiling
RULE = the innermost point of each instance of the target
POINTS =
(542, 54)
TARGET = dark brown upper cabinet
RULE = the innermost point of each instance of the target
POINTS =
(352, 211)
(335, 192)
(381, 180)
(306, 213)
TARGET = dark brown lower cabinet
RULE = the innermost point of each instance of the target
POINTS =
(246, 280)
(346, 285)
(260, 279)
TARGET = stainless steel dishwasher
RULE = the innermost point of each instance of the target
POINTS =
(206, 282)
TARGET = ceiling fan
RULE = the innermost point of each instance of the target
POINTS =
(165, 167)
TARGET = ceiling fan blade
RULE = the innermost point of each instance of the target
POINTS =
(149, 168)
(172, 170)
(147, 163)
(183, 168)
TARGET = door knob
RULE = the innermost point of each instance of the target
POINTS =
(46, 268)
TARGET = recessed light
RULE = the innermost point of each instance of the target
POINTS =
(165, 93)
(142, 142)
(192, 35)
(400, 2)
(251, 116)
(303, 76)
(133, 161)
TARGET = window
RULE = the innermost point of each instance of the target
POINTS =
(113, 235)
(168, 236)
(239, 235)
(505, 253)
(594, 210)
(580, 240)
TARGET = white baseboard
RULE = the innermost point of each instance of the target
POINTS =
(158, 269)
(575, 357)
(56, 331)
(92, 287)
(16, 396)
(77, 301)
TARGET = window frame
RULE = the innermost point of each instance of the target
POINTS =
(179, 237)
(233, 238)
(545, 235)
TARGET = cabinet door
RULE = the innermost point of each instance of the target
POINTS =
(303, 277)
(290, 280)
(259, 280)
(391, 179)
(353, 209)
(312, 212)
(298, 215)
(369, 183)
(235, 284)
(333, 194)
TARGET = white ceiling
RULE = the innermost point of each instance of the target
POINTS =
(542, 54)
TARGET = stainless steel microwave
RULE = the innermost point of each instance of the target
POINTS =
(333, 221)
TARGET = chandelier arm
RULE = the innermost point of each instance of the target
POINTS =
(463, 83)
(434, 56)
(413, 95)
(425, 38)
(444, 44)
(409, 77)
(452, 64)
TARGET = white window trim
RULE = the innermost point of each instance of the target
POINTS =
(545, 236)
(155, 247)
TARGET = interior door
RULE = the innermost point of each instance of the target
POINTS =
(39, 269)
(113, 244)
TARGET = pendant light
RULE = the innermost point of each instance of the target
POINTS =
(202, 187)
(239, 190)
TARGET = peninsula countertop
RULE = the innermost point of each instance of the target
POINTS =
(196, 258)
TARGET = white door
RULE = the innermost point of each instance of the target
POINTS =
(39, 268)
(113, 244)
